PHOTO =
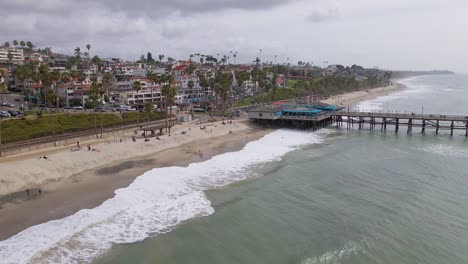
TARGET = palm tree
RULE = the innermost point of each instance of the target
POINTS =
(77, 52)
(22, 44)
(102, 91)
(190, 85)
(10, 56)
(148, 108)
(137, 87)
(30, 45)
(15, 43)
(65, 78)
(88, 47)
(55, 77)
(81, 76)
(169, 93)
(155, 79)
(94, 97)
(107, 81)
(47, 78)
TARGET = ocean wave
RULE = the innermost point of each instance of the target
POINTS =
(377, 103)
(452, 90)
(336, 256)
(153, 204)
(446, 150)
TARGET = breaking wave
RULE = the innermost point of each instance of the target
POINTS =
(153, 204)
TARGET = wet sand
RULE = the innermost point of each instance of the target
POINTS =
(90, 188)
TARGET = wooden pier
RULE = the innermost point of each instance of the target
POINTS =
(275, 117)
(377, 120)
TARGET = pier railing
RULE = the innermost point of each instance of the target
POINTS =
(460, 118)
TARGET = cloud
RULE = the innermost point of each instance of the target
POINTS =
(190, 7)
(176, 28)
(323, 14)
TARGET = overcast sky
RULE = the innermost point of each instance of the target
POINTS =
(391, 34)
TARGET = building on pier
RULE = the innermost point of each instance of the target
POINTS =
(301, 116)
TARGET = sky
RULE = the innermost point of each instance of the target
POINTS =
(389, 34)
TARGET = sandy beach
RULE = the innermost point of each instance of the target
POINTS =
(73, 180)
(349, 99)
(68, 188)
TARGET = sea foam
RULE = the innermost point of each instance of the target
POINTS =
(376, 103)
(153, 204)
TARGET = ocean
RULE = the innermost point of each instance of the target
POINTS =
(299, 197)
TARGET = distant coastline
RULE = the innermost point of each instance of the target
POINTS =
(406, 74)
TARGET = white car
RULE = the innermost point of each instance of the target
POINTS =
(126, 108)
(4, 114)
(78, 108)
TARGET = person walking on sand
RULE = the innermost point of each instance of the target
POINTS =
(78, 144)
(27, 192)
(89, 147)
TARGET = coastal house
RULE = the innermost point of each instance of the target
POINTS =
(74, 90)
(280, 81)
(185, 94)
(16, 53)
(124, 93)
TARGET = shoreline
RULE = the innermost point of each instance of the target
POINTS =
(352, 98)
(92, 187)
(67, 187)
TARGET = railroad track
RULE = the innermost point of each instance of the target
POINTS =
(69, 136)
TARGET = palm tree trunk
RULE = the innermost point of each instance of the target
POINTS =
(138, 113)
(95, 124)
(101, 123)
(170, 114)
(167, 120)
(51, 122)
(147, 123)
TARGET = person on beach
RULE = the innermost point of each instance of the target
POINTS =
(133, 139)
(89, 147)
(40, 191)
(78, 144)
(27, 192)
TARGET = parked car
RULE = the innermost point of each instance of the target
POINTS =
(7, 104)
(126, 108)
(4, 114)
(78, 108)
(13, 113)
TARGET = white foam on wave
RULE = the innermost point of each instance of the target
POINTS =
(153, 204)
(376, 103)
(452, 90)
(336, 256)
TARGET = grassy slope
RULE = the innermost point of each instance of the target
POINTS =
(17, 129)
(281, 94)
